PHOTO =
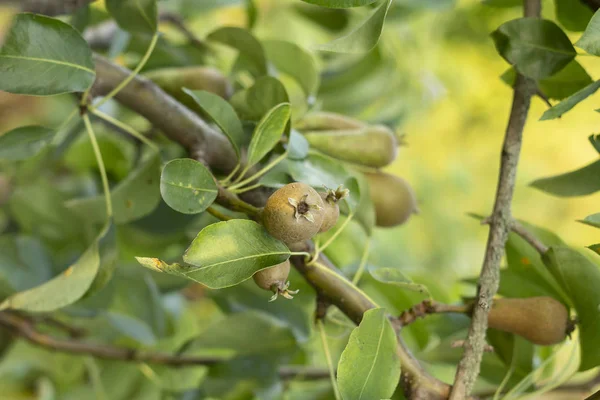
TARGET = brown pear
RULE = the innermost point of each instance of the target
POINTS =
(393, 198)
(541, 320)
(275, 279)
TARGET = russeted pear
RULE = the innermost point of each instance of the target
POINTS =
(275, 279)
(393, 198)
(331, 209)
(541, 320)
(293, 213)
(172, 80)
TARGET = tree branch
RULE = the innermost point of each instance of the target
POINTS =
(529, 237)
(24, 328)
(427, 307)
(175, 120)
(500, 223)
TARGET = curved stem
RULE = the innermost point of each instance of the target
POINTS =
(124, 127)
(336, 390)
(363, 262)
(247, 189)
(322, 248)
(260, 173)
(218, 214)
(231, 175)
(133, 74)
(100, 161)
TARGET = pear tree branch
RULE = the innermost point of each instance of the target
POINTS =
(500, 224)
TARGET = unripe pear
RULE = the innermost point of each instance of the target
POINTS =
(172, 80)
(327, 121)
(541, 320)
(331, 209)
(393, 198)
(293, 213)
(371, 145)
(275, 279)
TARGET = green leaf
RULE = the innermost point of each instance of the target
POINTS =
(137, 16)
(62, 290)
(580, 182)
(364, 37)
(297, 146)
(43, 56)
(133, 198)
(180, 379)
(294, 61)
(573, 15)
(318, 170)
(187, 186)
(570, 102)
(589, 40)
(268, 133)
(24, 142)
(592, 220)
(560, 85)
(524, 42)
(595, 141)
(131, 327)
(251, 51)
(223, 114)
(580, 278)
(266, 93)
(225, 254)
(393, 276)
(369, 367)
(340, 3)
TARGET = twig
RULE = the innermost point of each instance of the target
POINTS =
(468, 368)
(427, 307)
(461, 343)
(72, 331)
(529, 237)
(178, 23)
(229, 200)
(24, 328)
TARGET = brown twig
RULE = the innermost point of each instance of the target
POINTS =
(468, 368)
(427, 307)
(24, 327)
(529, 237)
(178, 23)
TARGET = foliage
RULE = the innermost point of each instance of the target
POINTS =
(181, 189)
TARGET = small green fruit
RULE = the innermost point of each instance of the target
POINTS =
(541, 320)
(393, 198)
(172, 80)
(327, 121)
(293, 213)
(331, 209)
(275, 279)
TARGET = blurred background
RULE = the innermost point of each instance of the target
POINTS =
(434, 77)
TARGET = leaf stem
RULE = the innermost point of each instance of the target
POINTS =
(133, 74)
(100, 161)
(124, 127)
(336, 390)
(231, 175)
(363, 262)
(247, 188)
(320, 249)
(261, 172)
(218, 214)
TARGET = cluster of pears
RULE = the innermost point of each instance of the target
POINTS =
(366, 148)
(295, 213)
(541, 320)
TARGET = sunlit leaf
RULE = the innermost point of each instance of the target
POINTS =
(580, 182)
(187, 186)
(571, 101)
(293, 60)
(249, 47)
(589, 40)
(393, 276)
(592, 220)
(524, 42)
(138, 16)
(369, 367)
(364, 37)
(44, 56)
(24, 142)
(268, 133)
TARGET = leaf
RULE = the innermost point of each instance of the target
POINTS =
(560, 85)
(362, 38)
(294, 61)
(589, 40)
(537, 48)
(133, 198)
(318, 170)
(223, 114)
(43, 56)
(24, 142)
(369, 367)
(225, 254)
(266, 93)
(137, 16)
(595, 141)
(393, 276)
(268, 133)
(580, 182)
(580, 278)
(180, 379)
(340, 3)
(64, 289)
(574, 16)
(592, 220)
(131, 327)
(570, 102)
(187, 186)
(251, 51)
(297, 146)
